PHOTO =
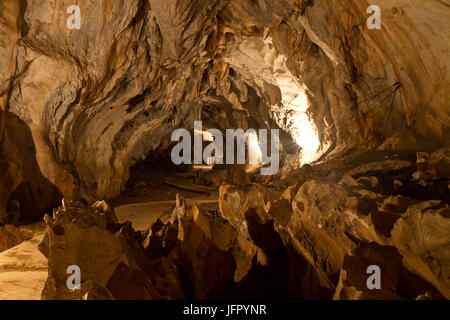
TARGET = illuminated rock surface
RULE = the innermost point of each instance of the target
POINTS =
(88, 114)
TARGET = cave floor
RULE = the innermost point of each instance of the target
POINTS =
(144, 203)
(142, 215)
(23, 271)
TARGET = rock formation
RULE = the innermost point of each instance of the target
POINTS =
(11, 236)
(363, 116)
(108, 253)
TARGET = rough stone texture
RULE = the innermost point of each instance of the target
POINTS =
(111, 260)
(78, 108)
(396, 281)
(311, 235)
(342, 224)
(210, 254)
(99, 98)
(191, 252)
(421, 236)
(9, 237)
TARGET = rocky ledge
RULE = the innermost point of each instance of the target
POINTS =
(312, 235)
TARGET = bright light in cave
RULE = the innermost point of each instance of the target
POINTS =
(252, 143)
(258, 59)
(306, 137)
(253, 148)
(302, 129)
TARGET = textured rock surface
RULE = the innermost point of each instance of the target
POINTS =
(396, 283)
(342, 224)
(11, 236)
(99, 98)
(422, 238)
(310, 236)
(364, 122)
(108, 254)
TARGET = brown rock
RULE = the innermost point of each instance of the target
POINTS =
(111, 264)
(396, 282)
(10, 236)
(422, 238)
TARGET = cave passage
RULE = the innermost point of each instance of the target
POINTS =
(204, 150)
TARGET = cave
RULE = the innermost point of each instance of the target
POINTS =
(207, 150)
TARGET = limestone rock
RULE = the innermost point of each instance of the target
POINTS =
(10, 236)
(434, 166)
(362, 116)
(99, 98)
(396, 282)
(422, 238)
(111, 260)
(328, 223)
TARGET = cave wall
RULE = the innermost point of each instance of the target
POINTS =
(98, 99)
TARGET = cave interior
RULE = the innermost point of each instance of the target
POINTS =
(354, 122)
